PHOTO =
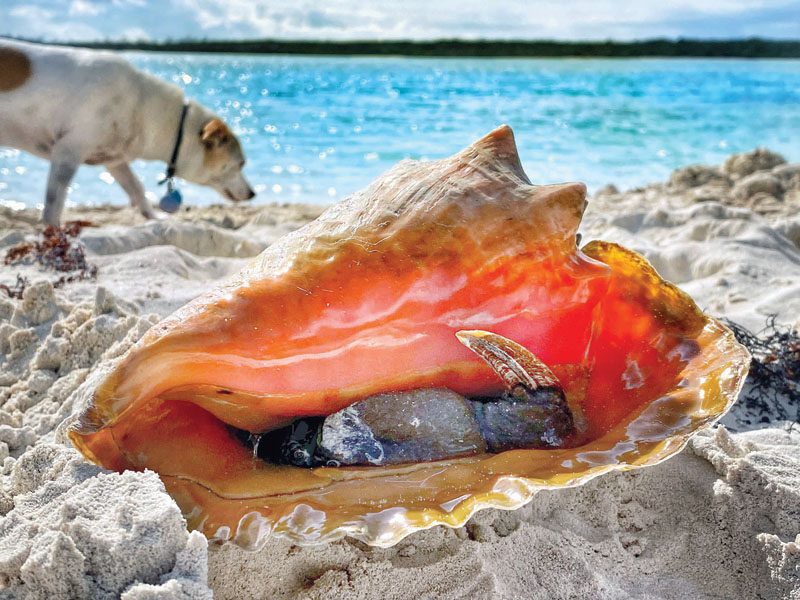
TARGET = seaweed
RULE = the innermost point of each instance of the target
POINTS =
(774, 379)
(57, 251)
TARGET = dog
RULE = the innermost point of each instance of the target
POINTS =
(75, 106)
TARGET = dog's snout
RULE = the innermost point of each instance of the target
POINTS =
(250, 193)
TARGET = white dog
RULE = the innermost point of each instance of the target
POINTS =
(75, 106)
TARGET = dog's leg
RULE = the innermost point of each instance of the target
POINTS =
(133, 187)
(63, 164)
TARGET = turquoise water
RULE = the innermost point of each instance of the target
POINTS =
(318, 128)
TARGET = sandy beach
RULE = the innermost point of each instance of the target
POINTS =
(719, 520)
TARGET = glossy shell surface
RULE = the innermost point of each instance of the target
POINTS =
(367, 299)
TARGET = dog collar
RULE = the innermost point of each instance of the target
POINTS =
(178, 139)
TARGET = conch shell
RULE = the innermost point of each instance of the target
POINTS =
(367, 299)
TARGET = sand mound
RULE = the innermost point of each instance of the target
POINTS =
(71, 529)
(201, 240)
(759, 180)
(77, 531)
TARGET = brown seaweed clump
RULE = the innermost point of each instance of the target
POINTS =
(57, 250)
(773, 383)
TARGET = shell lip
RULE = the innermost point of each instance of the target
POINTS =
(524, 490)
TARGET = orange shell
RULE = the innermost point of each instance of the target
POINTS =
(367, 299)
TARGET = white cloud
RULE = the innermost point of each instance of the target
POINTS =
(33, 21)
(31, 12)
(84, 8)
(135, 34)
(425, 19)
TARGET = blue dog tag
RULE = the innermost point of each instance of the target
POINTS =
(171, 201)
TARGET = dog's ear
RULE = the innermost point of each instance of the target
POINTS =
(215, 133)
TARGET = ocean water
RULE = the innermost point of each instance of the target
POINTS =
(316, 129)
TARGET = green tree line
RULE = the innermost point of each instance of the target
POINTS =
(735, 48)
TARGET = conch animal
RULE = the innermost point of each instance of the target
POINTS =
(390, 295)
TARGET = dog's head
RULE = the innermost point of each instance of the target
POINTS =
(222, 162)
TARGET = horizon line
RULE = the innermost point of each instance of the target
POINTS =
(749, 47)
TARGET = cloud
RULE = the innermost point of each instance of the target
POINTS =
(425, 19)
(84, 8)
(135, 34)
(31, 12)
(40, 22)
(389, 19)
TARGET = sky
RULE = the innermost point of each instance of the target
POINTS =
(85, 20)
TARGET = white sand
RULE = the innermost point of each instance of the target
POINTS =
(720, 520)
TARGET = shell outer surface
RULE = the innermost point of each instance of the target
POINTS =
(367, 299)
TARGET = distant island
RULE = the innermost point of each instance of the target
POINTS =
(735, 48)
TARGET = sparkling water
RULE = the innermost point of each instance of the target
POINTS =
(316, 129)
